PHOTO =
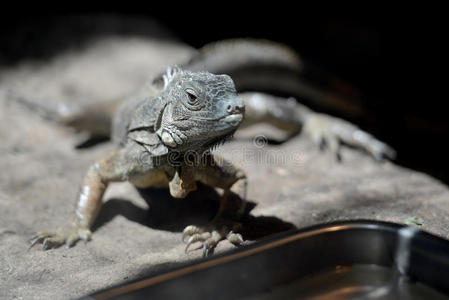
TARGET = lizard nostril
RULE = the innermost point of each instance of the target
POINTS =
(229, 108)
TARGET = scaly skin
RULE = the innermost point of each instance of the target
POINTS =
(165, 142)
(160, 128)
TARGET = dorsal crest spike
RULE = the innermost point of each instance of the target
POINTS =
(170, 73)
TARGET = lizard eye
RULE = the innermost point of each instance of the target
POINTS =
(192, 96)
(191, 99)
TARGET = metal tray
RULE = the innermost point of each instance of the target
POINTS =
(344, 260)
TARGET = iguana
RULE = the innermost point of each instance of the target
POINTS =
(165, 132)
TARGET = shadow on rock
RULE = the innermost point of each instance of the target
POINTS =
(199, 207)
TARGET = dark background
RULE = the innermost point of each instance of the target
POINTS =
(394, 57)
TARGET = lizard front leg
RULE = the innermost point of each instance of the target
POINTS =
(88, 204)
(289, 115)
(217, 172)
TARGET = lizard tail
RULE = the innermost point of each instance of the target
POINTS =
(94, 119)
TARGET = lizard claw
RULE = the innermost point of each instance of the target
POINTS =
(197, 238)
(67, 235)
(47, 239)
(189, 231)
(208, 249)
(381, 151)
(235, 238)
(210, 239)
(35, 239)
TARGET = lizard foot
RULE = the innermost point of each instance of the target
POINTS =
(67, 235)
(331, 132)
(210, 237)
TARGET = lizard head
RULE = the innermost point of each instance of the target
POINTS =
(202, 110)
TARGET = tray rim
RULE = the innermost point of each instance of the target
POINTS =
(270, 242)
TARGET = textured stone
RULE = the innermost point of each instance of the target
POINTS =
(291, 184)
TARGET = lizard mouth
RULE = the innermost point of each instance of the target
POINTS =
(233, 119)
(226, 118)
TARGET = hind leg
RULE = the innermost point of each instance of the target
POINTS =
(291, 116)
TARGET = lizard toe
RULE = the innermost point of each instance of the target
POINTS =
(67, 235)
(380, 151)
(211, 236)
(190, 231)
(52, 242)
(84, 234)
(197, 237)
(71, 241)
(235, 238)
(36, 239)
(212, 242)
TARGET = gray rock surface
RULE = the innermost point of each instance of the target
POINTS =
(291, 184)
